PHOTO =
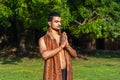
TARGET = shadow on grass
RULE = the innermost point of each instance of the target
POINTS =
(10, 60)
(14, 59)
(101, 53)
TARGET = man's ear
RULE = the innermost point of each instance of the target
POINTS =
(49, 23)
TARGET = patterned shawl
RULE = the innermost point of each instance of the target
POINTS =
(52, 70)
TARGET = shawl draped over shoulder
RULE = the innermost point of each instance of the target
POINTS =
(52, 68)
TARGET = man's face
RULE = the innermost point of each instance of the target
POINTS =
(55, 23)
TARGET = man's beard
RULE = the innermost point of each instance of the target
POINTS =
(56, 29)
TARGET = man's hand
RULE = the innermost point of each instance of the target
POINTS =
(65, 44)
(63, 40)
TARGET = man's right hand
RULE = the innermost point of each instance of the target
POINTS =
(63, 40)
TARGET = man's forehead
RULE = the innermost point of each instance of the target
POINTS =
(56, 18)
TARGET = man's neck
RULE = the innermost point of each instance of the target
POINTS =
(54, 32)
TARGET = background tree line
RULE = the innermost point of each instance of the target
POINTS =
(22, 22)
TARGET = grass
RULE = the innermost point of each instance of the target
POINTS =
(23, 69)
(97, 69)
(32, 69)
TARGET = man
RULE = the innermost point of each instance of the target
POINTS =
(56, 51)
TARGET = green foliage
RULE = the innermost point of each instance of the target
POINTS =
(84, 12)
(98, 18)
(5, 12)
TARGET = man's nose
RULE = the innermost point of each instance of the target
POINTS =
(59, 23)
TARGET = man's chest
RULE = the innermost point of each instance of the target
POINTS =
(57, 39)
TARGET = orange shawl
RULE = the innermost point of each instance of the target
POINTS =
(52, 70)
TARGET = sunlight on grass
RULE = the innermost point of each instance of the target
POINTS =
(32, 69)
(25, 70)
(96, 69)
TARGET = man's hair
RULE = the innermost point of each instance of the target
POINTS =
(53, 14)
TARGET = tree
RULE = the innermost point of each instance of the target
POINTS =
(30, 15)
(96, 18)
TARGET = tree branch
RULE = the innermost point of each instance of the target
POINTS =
(90, 19)
(82, 22)
(95, 12)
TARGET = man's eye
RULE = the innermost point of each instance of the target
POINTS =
(56, 21)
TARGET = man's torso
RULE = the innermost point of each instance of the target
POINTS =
(61, 54)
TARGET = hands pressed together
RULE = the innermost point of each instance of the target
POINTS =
(64, 40)
(65, 44)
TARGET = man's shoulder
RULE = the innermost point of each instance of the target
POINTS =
(42, 37)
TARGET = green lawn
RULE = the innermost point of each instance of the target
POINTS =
(32, 69)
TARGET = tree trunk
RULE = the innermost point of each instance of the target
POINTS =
(100, 44)
(20, 37)
(27, 42)
(92, 44)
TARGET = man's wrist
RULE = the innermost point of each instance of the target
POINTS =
(61, 47)
(67, 46)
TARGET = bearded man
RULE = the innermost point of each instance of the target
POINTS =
(56, 51)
